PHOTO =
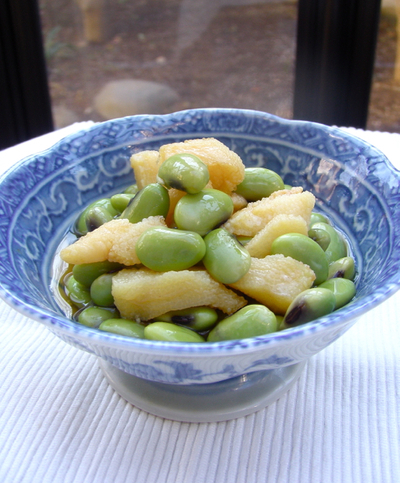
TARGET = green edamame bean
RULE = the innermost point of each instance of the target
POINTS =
(162, 249)
(94, 215)
(322, 237)
(185, 172)
(94, 316)
(318, 217)
(279, 320)
(123, 327)
(302, 248)
(250, 321)
(197, 318)
(225, 259)
(309, 305)
(342, 268)
(244, 240)
(203, 211)
(100, 290)
(171, 333)
(343, 289)
(121, 200)
(86, 273)
(259, 183)
(337, 246)
(76, 292)
(152, 200)
(132, 189)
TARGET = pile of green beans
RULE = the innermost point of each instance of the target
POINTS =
(198, 239)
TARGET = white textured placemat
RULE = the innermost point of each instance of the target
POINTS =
(61, 422)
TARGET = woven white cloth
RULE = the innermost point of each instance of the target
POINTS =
(60, 421)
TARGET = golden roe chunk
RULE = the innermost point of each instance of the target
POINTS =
(225, 167)
(141, 294)
(114, 241)
(275, 281)
(145, 166)
(253, 218)
(260, 245)
(239, 202)
(174, 196)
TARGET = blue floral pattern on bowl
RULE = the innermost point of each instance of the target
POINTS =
(353, 182)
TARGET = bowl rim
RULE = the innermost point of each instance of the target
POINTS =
(57, 322)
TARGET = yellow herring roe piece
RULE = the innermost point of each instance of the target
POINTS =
(225, 166)
(114, 241)
(239, 202)
(174, 196)
(275, 281)
(260, 245)
(141, 294)
(250, 220)
(145, 166)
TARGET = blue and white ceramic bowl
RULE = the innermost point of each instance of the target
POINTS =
(354, 184)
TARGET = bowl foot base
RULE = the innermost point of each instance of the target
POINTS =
(199, 403)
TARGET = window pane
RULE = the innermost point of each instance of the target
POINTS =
(200, 53)
(384, 108)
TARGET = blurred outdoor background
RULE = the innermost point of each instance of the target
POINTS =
(113, 58)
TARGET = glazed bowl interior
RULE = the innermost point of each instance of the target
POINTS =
(41, 196)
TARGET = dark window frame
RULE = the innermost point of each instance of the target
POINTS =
(25, 105)
(336, 44)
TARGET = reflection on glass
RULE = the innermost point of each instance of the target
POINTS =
(119, 57)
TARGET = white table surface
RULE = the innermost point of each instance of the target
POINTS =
(61, 422)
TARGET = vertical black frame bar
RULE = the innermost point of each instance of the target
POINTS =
(336, 43)
(25, 105)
